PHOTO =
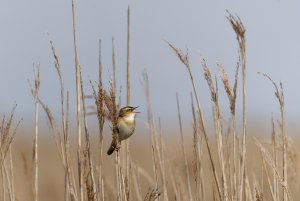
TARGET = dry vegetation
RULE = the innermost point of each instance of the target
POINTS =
(224, 165)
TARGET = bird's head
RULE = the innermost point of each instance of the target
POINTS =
(128, 111)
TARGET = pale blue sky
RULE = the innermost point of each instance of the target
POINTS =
(272, 36)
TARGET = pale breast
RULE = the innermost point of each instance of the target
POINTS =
(126, 128)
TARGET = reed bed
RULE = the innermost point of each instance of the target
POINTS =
(209, 166)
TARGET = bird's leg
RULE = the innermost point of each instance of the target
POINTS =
(118, 146)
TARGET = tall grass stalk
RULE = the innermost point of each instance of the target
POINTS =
(62, 142)
(99, 102)
(11, 175)
(58, 70)
(152, 129)
(117, 155)
(128, 57)
(269, 180)
(136, 182)
(111, 105)
(118, 176)
(78, 95)
(71, 189)
(6, 139)
(232, 94)
(187, 172)
(61, 84)
(88, 169)
(6, 182)
(8, 179)
(63, 149)
(155, 168)
(185, 60)
(197, 155)
(218, 125)
(274, 153)
(35, 93)
(240, 31)
(268, 158)
(128, 165)
(162, 151)
(114, 65)
(280, 97)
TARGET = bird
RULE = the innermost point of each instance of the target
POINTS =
(125, 127)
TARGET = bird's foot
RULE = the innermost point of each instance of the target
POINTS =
(118, 146)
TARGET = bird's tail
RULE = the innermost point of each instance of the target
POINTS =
(112, 147)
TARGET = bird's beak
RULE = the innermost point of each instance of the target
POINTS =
(135, 108)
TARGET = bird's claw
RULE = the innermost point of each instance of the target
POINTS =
(118, 146)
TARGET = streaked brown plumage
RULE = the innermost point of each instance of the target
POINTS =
(125, 126)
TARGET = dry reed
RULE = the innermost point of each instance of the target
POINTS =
(35, 94)
(218, 125)
(185, 60)
(128, 165)
(280, 97)
(99, 102)
(184, 151)
(78, 96)
(7, 135)
(240, 31)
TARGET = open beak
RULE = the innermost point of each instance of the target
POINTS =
(135, 108)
